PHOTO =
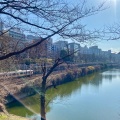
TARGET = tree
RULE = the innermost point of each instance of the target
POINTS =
(51, 18)
(45, 74)
(64, 53)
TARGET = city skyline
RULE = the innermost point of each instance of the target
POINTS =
(107, 17)
(81, 46)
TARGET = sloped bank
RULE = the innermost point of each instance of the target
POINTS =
(71, 75)
(4, 116)
(54, 80)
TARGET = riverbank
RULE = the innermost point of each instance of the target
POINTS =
(4, 116)
(29, 86)
(19, 88)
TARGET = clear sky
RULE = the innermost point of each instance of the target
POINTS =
(107, 17)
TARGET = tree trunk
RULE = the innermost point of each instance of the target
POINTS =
(43, 113)
(42, 100)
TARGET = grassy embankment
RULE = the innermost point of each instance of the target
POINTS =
(60, 78)
(4, 116)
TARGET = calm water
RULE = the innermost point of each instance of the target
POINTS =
(94, 97)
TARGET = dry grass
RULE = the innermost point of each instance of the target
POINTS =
(13, 85)
(11, 117)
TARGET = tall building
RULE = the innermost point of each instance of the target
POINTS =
(74, 50)
(30, 38)
(49, 43)
(74, 47)
(61, 45)
(94, 50)
(16, 34)
(84, 50)
(1, 27)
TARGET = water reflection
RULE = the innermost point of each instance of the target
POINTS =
(32, 102)
(71, 92)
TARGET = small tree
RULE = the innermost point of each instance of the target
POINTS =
(46, 73)
(64, 53)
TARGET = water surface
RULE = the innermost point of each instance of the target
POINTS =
(94, 97)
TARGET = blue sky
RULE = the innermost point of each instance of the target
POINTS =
(107, 17)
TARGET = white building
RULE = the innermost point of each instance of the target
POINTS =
(16, 34)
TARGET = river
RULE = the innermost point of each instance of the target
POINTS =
(94, 97)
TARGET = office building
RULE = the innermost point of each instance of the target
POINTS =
(16, 33)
